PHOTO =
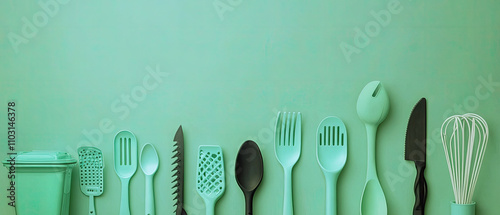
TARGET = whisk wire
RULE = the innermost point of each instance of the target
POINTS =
(464, 152)
(483, 140)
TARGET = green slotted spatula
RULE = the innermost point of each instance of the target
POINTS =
(91, 174)
(210, 182)
(331, 152)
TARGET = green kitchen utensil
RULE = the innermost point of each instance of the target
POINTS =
(149, 164)
(372, 108)
(287, 146)
(210, 179)
(465, 138)
(125, 160)
(91, 174)
(331, 152)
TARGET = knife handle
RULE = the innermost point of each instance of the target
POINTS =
(420, 189)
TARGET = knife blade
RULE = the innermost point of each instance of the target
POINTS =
(178, 172)
(415, 150)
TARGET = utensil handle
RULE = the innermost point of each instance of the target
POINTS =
(249, 203)
(91, 205)
(371, 135)
(210, 205)
(150, 196)
(124, 206)
(288, 197)
(331, 194)
(420, 189)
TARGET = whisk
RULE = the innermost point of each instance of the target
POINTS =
(464, 138)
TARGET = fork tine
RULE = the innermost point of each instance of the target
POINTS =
(298, 129)
(283, 134)
(288, 129)
(292, 130)
(277, 133)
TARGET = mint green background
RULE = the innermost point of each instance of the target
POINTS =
(227, 80)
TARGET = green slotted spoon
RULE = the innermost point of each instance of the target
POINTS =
(210, 182)
(91, 174)
(331, 152)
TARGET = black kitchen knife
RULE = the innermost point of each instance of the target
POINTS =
(178, 172)
(415, 150)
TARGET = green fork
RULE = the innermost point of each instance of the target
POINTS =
(287, 144)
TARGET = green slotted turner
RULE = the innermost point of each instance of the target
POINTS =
(91, 174)
(331, 152)
(210, 182)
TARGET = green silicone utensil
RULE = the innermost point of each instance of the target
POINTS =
(210, 181)
(287, 146)
(149, 163)
(91, 174)
(372, 108)
(331, 152)
(125, 160)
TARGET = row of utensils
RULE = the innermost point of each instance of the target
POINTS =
(125, 165)
(125, 161)
(331, 152)
(249, 168)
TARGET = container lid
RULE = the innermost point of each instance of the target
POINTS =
(42, 157)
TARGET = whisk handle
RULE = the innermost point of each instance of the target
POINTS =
(420, 189)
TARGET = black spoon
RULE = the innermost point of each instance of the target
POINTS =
(249, 171)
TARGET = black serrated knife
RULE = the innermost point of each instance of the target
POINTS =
(415, 150)
(178, 172)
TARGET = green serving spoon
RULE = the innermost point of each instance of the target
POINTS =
(373, 107)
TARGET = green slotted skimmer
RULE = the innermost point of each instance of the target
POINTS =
(91, 174)
(210, 182)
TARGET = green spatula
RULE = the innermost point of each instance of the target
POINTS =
(91, 174)
(331, 151)
(210, 182)
(125, 160)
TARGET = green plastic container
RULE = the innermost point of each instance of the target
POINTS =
(42, 182)
(463, 209)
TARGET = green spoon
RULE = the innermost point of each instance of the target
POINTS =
(149, 164)
(373, 107)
